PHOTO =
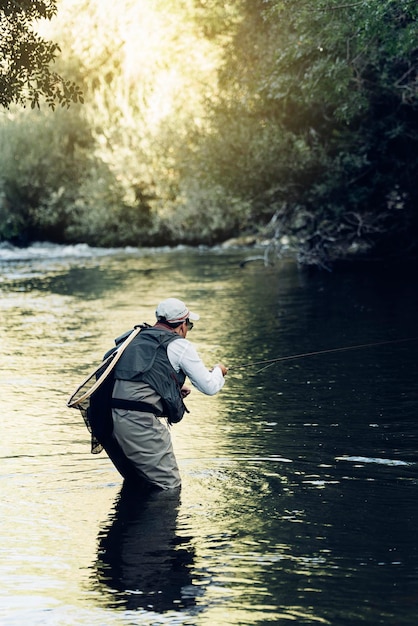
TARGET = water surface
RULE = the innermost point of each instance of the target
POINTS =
(299, 497)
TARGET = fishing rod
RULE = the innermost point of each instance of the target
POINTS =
(317, 352)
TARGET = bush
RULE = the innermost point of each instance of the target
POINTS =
(43, 160)
(54, 188)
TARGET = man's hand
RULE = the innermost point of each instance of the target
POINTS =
(223, 369)
(185, 391)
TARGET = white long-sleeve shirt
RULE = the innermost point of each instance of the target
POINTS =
(183, 356)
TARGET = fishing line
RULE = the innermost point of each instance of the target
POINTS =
(269, 362)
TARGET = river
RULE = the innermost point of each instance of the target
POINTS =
(299, 497)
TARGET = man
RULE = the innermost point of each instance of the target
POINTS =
(149, 384)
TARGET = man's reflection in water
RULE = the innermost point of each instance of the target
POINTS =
(140, 556)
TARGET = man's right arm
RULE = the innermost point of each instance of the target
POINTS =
(183, 354)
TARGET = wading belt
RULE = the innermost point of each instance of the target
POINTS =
(133, 405)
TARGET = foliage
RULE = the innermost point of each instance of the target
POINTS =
(25, 73)
(335, 92)
(60, 199)
(142, 103)
(35, 186)
(293, 119)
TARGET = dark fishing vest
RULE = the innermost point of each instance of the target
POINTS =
(145, 360)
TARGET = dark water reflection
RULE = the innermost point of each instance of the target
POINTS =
(141, 559)
(299, 480)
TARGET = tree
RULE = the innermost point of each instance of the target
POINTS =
(25, 73)
(317, 123)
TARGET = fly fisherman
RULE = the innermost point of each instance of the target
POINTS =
(149, 384)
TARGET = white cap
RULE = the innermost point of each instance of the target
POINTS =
(173, 310)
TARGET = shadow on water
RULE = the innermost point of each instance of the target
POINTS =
(83, 282)
(142, 562)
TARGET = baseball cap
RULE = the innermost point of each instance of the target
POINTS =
(174, 310)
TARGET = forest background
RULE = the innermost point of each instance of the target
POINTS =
(293, 122)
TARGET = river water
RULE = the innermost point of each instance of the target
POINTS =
(299, 498)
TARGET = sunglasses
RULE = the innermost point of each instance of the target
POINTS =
(189, 325)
